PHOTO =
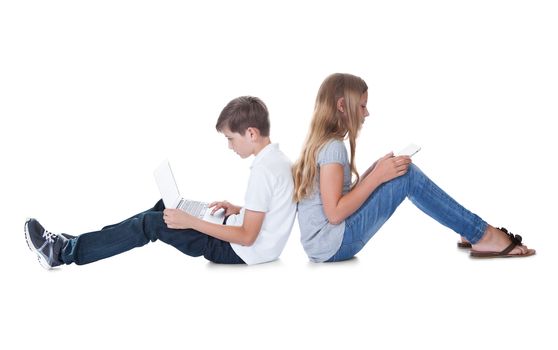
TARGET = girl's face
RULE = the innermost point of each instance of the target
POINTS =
(362, 109)
(240, 144)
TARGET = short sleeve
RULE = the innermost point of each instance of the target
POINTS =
(259, 191)
(333, 152)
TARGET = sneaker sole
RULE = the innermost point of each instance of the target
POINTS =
(44, 263)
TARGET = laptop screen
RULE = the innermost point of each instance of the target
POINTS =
(167, 185)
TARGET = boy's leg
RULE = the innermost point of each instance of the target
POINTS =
(425, 194)
(159, 206)
(140, 230)
(221, 252)
(134, 232)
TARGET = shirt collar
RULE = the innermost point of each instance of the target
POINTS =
(267, 149)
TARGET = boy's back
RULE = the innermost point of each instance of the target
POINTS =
(270, 190)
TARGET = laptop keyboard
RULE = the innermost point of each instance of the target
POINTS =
(194, 208)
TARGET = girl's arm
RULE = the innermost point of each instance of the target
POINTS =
(368, 171)
(244, 235)
(337, 207)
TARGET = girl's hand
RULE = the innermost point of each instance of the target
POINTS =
(389, 167)
(368, 171)
(229, 208)
(177, 219)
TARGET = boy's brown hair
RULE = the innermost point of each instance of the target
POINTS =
(242, 113)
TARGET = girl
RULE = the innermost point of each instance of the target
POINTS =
(338, 218)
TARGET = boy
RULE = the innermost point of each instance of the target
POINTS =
(254, 234)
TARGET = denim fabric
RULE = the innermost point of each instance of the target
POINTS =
(424, 194)
(139, 230)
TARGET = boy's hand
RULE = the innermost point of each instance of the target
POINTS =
(177, 219)
(229, 208)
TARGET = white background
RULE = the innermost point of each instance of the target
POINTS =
(93, 95)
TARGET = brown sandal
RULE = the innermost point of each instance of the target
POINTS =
(463, 245)
(515, 241)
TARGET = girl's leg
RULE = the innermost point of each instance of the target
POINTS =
(424, 193)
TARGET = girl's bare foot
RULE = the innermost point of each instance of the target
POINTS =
(497, 243)
(463, 243)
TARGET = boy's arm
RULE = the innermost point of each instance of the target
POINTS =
(244, 235)
(230, 209)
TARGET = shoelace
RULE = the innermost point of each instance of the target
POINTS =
(49, 236)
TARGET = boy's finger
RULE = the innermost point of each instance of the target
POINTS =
(217, 207)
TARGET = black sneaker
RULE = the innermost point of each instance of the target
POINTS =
(46, 244)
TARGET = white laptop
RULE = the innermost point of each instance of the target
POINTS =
(172, 198)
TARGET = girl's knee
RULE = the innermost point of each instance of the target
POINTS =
(413, 173)
(413, 169)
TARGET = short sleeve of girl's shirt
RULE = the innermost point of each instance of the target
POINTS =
(333, 152)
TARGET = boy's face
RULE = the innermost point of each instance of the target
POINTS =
(240, 144)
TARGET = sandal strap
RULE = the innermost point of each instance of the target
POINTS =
(515, 241)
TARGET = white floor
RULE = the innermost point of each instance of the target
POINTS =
(401, 291)
(95, 95)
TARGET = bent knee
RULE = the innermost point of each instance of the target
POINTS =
(152, 223)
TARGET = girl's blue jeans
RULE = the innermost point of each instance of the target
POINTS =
(424, 194)
(139, 230)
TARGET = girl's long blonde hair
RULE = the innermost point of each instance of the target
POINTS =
(329, 123)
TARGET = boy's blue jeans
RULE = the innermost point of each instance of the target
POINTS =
(425, 194)
(139, 230)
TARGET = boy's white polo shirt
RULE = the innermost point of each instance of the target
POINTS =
(270, 190)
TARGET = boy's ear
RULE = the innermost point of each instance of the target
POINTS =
(341, 104)
(253, 133)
